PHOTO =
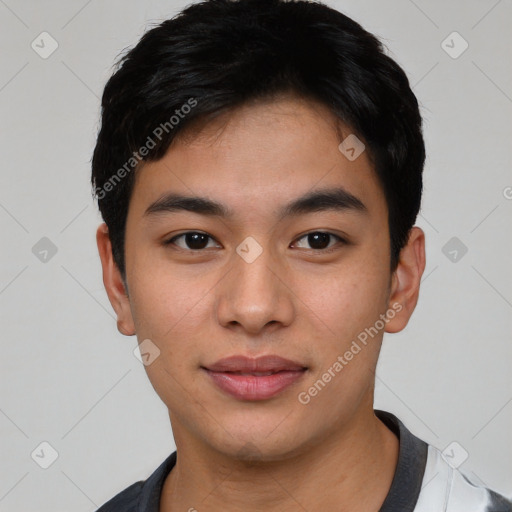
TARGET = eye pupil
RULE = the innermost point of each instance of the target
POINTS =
(196, 240)
(318, 240)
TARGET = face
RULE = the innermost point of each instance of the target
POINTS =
(304, 283)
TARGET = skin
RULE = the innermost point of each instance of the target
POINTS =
(293, 301)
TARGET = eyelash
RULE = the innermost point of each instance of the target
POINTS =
(341, 240)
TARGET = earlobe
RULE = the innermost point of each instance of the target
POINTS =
(113, 283)
(406, 280)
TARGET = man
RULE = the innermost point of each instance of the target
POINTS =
(259, 171)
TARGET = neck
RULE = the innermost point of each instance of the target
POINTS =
(350, 471)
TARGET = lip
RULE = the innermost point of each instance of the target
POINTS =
(238, 376)
(246, 364)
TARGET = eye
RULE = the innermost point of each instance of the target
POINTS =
(319, 240)
(194, 240)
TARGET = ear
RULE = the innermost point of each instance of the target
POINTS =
(113, 283)
(406, 279)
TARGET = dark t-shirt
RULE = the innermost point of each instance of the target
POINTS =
(425, 481)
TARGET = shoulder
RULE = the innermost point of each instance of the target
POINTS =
(125, 501)
(446, 489)
(427, 480)
(142, 496)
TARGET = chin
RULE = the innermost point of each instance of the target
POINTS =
(260, 444)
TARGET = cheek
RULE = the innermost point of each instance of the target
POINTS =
(168, 312)
(348, 344)
(163, 294)
(171, 315)
(347, 299)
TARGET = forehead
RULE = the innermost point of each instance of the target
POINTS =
(259, 157)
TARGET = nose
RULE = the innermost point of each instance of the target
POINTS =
(255, 295)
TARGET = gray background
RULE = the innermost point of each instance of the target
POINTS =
(70, 379)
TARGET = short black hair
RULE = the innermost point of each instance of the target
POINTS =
(217, 55)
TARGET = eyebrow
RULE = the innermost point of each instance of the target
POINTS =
(334, 199)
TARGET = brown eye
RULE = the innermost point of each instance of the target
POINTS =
(193, 240)
(319, 240)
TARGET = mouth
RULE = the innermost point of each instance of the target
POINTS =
(255, 374)
(254, 365)
(252, 379)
